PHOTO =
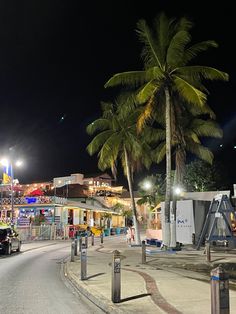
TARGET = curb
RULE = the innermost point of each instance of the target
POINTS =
(99, 300)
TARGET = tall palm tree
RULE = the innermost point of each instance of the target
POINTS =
(118, 139)
(186, 138)
(167, 53)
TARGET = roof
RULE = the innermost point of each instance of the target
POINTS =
(204, 196)
(98, 175)
(126, 194)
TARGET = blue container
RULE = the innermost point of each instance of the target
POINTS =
(107, 232)
(117, 230)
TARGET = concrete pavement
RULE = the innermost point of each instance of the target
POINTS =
(168, 283)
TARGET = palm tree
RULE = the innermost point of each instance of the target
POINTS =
(167, 53)
(186, 138)
(118, 139)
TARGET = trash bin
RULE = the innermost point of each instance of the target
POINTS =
(118, 230)
(107, 232)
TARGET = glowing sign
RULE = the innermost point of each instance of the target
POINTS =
(31, 200)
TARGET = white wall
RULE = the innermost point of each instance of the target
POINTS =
(184, 221)
(73, 178)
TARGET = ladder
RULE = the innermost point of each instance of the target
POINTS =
(220, 208)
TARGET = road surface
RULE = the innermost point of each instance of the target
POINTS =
(33, 282)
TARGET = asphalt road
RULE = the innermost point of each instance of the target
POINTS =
(33, 282)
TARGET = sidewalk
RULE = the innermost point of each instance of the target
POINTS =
(167, 283)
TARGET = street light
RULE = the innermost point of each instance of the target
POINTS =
(178, 190)
(8, 178)
(147, 185)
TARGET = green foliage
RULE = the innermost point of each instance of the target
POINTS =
(39, 219)
(118, 132)
(154, 193)
(201, 176)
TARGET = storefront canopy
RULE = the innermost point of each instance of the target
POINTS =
(36, 192)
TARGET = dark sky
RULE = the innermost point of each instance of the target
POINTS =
(55, 57)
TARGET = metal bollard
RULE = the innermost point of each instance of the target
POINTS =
(208, 252)
(116, 277)
(219, 291)
(83, 262)
(86, 241)
(76, 246)
(143, 252)
(72, 259)
(92, 239)
(80, 243)
(101, 237)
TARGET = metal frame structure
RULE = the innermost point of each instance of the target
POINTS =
(219, 209)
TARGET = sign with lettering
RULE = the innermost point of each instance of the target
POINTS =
(184, 221)
(117, 265)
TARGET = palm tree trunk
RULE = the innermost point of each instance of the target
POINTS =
(178, 180)
(136, 224)
(173, 215)
(166, 225)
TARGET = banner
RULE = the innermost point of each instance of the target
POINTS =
(185, 221)
(7, 175)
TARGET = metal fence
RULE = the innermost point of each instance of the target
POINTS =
(43, 232)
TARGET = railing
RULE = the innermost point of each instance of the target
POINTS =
(42, 232)
(34, 200)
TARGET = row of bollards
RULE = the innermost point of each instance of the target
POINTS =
(74, 245)
(219, 278)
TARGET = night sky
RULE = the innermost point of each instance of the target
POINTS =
(55, 58)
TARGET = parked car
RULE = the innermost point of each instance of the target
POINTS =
(9, 240)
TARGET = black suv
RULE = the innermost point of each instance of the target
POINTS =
(9, 240)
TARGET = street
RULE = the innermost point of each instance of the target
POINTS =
(33, 282)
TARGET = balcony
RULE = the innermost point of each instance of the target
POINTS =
(31, 200)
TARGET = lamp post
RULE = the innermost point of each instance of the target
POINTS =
(9, 179)
(12, 191)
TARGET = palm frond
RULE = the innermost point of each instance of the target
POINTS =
(206, 128)
(107, 106)
(197, 111)
(132, 78)
(194, 50)
(98, 125)
(150, 51)
(200, 151)
(110, 149)
(163, 27)
(147, 91)
(153, 135)
(184, 24)
(199, 72)
(189, 134)
(98, 141)
(189, 92)
(146, 114)
(126, 102)
(159, 153)
(176, 48)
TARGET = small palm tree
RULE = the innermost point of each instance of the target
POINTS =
(167, 53)
(118, 139)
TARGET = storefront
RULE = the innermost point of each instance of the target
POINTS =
(35, 214)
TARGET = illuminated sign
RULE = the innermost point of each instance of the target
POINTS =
(31, 200)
